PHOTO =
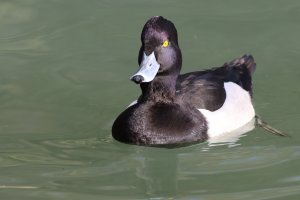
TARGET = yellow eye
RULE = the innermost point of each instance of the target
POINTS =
(166, 43)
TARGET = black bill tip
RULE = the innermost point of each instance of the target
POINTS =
(137, 79)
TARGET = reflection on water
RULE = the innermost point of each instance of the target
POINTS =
(115, 170)
(64, 68)
(232, 138)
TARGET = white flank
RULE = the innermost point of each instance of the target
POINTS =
(236, 112)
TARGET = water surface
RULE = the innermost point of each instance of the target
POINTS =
(64, 77)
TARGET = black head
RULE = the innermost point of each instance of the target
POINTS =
(159, 48)
(156, 31)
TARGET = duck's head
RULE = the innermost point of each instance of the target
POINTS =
(159, 54)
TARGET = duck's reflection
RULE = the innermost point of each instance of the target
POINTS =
(158, 169)
(233, 136)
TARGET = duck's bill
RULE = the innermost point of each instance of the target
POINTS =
(147, 70)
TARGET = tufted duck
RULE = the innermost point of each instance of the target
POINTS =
(183, 109)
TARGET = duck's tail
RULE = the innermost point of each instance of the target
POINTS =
(240, 71)
(244, 62)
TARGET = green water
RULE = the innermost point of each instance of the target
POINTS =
(64, 77)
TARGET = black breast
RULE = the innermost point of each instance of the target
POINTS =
(160, 124)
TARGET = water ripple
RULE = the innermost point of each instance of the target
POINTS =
(261, 194)
(242, 159)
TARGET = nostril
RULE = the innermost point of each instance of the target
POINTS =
(137, 79)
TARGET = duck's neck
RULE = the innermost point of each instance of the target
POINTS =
(161, 89)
